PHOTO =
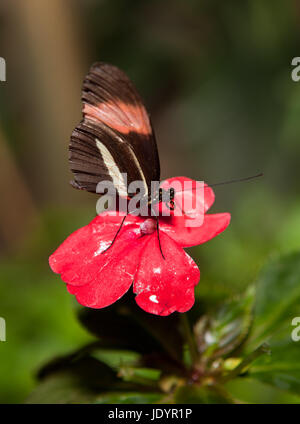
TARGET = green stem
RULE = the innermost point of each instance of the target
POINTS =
(261, 350)
(189, 338)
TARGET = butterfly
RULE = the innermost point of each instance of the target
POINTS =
(115, 137)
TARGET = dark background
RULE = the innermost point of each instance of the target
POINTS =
(216, 78)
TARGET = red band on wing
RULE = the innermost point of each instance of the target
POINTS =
(119, 116)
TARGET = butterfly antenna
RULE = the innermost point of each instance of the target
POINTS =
(239, 180)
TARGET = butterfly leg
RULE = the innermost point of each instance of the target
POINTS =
(157, 228)
(116, 235)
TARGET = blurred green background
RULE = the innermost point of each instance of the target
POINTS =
(216, 78)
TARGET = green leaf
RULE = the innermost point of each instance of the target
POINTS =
(202, 394)
(282, 368)
(74, 378)
(65, 388)
(251, 390)
(244, 363)
(91, 374)
(277, 297)
(227, 329)
(277, 303)
(127, 364)
(126, 398)
(116, 358)
(143, 373)
(58, 389)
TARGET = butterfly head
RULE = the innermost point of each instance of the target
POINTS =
(167, 197)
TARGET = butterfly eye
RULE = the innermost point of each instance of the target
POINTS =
(170, 205)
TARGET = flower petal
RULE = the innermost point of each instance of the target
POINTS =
(187, 187)
(79, 257)
(188, 224)
(176, 228)
(165, 285)
(114, 279)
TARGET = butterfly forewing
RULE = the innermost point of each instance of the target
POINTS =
(115, 135)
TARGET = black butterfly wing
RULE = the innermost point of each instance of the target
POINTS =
(115, 135)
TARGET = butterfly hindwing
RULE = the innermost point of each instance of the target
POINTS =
(115, 135)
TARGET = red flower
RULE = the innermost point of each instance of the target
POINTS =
(162, 285)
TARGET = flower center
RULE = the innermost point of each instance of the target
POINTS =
(148, 226)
